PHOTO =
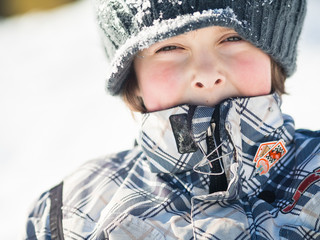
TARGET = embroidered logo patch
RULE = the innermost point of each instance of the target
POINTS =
(268, 154)
(303, 186)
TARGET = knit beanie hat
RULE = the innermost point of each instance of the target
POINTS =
(129, 26)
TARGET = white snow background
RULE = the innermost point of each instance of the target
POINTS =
(55, 114)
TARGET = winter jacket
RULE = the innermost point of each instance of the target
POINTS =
(196, 173)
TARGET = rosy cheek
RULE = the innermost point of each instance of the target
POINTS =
(253, 75)
(160, 87)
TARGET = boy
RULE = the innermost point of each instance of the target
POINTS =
(216, 158)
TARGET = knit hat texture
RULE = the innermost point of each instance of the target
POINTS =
(129, 26)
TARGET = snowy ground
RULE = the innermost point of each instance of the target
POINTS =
(55, 114)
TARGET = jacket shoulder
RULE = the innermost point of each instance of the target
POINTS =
(102, 168)
(90, 184)
(307, 149)
(307, 134)
(307, 141)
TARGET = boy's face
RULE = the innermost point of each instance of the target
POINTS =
(202, 67)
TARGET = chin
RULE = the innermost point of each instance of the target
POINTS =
(206, 103)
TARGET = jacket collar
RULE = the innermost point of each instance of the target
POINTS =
(173, 140)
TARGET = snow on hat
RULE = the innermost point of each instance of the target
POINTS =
(129, 26)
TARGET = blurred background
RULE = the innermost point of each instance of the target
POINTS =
(14, 7)
(54, 113)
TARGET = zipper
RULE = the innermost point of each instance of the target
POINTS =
(217, 182)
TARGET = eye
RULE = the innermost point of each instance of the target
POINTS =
(168, 48)
(233, 39)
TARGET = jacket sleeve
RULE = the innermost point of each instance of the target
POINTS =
(38, 223)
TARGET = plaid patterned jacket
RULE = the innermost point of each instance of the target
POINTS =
(160, 189)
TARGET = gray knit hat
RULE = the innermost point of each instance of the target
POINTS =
(132, 25)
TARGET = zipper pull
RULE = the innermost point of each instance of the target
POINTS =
(211, 129)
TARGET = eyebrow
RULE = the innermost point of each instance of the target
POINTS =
(221, 30)
(224, 29)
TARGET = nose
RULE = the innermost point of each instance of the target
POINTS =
(207, 83)
(207, 72)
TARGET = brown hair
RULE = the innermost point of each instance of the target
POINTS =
(278, 78)
(129, 93)
(135, 103)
